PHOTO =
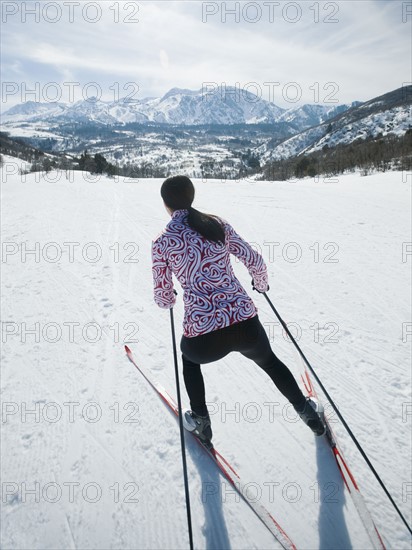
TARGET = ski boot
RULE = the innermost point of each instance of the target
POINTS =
(312, 415)
(199, 426)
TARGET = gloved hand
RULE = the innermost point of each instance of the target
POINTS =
(257, 290)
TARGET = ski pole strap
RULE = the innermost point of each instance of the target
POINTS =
(352, 435)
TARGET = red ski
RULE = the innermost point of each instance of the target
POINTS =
(225, 468)
(347, 475)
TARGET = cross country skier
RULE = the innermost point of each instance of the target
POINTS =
(219, 315)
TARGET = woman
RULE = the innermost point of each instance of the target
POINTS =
(219, 315)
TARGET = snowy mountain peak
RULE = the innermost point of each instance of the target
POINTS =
(178, 91)
(217, 105)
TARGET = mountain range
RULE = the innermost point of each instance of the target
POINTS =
(224, 105)
(198, 132)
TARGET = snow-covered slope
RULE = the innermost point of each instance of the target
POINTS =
(12, 165)
(311, 115)
(34, 110)
(102, 451)
(387, 114)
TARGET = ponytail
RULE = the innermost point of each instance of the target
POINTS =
(207, 225)
(178, 193)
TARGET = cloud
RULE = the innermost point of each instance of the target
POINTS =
(164, 60)
(166, 44)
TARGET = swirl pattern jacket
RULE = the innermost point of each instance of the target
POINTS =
(213, 297)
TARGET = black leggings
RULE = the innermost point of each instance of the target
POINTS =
(247, 337)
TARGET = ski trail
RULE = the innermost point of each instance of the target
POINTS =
(354, 372)
(69, 527)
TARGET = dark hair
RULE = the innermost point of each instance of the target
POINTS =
(178, 193)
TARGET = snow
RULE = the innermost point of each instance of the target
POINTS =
(12, 165)
(33, 131)
(131, 451)
(395, 121)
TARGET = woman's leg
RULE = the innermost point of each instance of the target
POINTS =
(258, 349)
(261, 352)
(249, 338)
(205, 348)
(195, 386)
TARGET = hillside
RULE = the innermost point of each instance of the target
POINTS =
(389, 114)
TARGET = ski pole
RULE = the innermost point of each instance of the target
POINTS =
(182, 437)
(352, 435)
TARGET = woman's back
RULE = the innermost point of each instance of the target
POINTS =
(213, 296)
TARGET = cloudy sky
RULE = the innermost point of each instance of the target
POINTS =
(287, 52)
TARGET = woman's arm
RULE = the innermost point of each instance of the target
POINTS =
(162, 276)
(250, 258)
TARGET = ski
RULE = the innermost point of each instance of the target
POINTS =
(345, 471)
(224, 466)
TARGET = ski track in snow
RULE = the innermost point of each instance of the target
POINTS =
(132, 452)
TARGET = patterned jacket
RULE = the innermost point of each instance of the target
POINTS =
(213, 297)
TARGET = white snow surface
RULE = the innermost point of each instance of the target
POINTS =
(12, 165)
(102, 452)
